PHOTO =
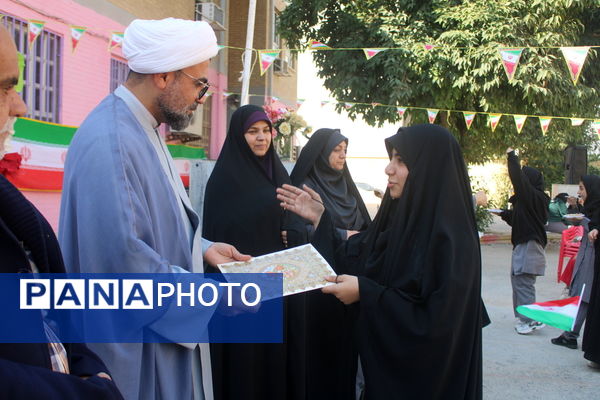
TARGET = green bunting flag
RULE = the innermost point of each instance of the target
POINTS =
(370, 53)
(431, 114)
(34, 28)
(510, 60)
(575, 58)
(469, 117)
(493, 120)
(520, 121)
(76, 35)
(545, 123)
(267, 57)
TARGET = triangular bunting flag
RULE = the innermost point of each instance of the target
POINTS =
(266, 59)
(34, 28)
(76, 35)
(545, 123)
(220, 47)
(520, 121)
(428, 46)
(314, 45)
(375, 104)
(493, 120)
(274, 99)
(299, 103)
(370, 53)
(596, 127)
(348, 106)
(577, 121)
(324, 102)
(208, 94)
(116, 39)
(401, 111)
(227, 94)
(469, 117)
(575, 58)
(431, 114)
(510, 60)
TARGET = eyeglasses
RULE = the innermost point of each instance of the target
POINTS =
(198, 81)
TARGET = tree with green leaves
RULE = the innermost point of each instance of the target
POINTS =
(463, 71)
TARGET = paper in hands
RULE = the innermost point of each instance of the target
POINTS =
(303, 269)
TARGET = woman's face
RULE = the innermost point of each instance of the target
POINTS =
(337, 158)
(397, 173)
(582, 192)
(258, 137)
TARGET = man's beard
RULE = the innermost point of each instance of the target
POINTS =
(5, 134)
(178, 119)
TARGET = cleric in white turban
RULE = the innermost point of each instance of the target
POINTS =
(153, 46)
(124, 208)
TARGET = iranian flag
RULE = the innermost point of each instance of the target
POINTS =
(520, 121)
(493, 120)
(267, 57)
(34, 28)
(43, 147)
(577, 121)
(510, 60)
(116, 40)
(299, 103)
(324, 103)
(315, 45)
(596, 126)
(469, 117)
(401, 111)
(370, 53)
(545, 124)
(348, 106)
(575, 58)
(557, 313)
(76, 35)
(431, 114)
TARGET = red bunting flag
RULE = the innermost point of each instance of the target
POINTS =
(575, 58)
(34, 28)
(510, 60)
(469, 117)
(545, 124)
(493, 120)
(76, 35)
(267, 57)
(431, 114)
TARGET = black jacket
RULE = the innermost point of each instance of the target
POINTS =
(25, 369)
(529, 214)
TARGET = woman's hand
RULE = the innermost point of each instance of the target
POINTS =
(345, 288)
(593, 235)
(306, 203)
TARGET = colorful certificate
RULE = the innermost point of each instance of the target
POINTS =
(303, 268)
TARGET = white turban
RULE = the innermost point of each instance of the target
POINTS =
(155, 46)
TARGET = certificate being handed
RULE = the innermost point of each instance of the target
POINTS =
(303, 268)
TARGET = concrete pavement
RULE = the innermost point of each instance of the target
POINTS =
(527, 366)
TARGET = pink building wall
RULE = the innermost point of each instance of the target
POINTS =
(85, 74)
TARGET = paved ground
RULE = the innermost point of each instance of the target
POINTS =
(527, 366)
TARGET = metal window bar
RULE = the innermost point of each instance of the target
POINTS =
(42, 78)
(118, 73)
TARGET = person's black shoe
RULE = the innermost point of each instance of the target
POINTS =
(563, 341)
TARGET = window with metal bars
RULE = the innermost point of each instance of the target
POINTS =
(118, 73)
(42, 74)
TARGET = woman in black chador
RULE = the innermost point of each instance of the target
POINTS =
(322, 167)
(241, 207)
(418, 294)
(331, 370)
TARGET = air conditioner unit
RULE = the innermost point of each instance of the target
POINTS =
(211, 13)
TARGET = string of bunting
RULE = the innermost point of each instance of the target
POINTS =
(469, 116)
